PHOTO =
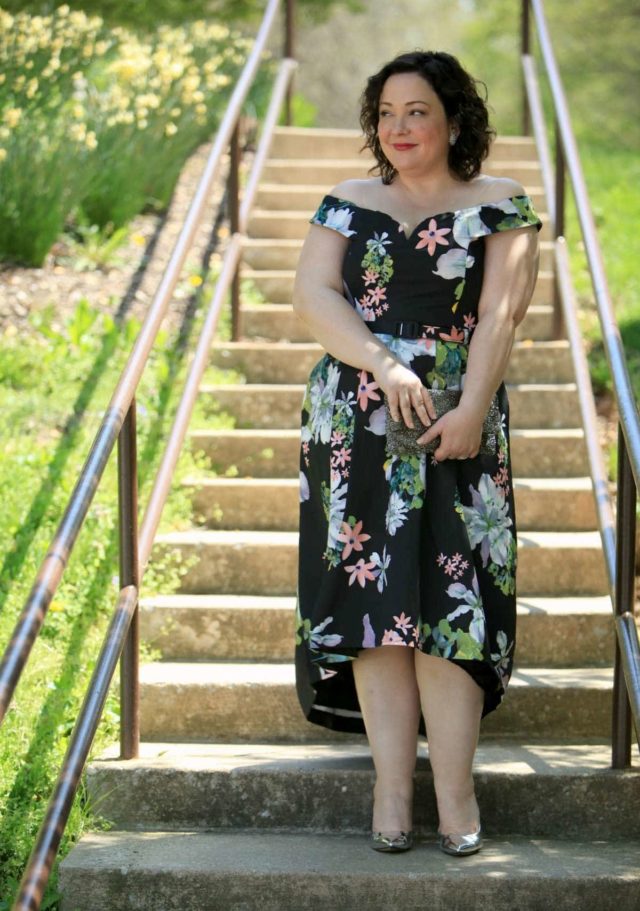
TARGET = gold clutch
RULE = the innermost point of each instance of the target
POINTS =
(401, 440)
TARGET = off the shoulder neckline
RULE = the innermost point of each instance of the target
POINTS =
(478, 205)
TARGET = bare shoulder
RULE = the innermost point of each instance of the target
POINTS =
(356, 189)
(499, 188)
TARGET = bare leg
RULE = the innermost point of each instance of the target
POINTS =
(452, 706)
(385, 680)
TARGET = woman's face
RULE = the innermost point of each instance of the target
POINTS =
(412, 124)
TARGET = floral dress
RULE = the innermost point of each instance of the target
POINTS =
(403, 550)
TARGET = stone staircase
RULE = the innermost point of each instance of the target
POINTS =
(236, 801)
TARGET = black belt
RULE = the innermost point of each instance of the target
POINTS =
(411, 328)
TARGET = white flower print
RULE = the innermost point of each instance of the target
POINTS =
(337, 507)
(304, 487)
(382, 562)
(396, 512)
(316, 639)
(453, 264)
(340, 219)
(377, 421)
(488, 521)
(472, 602)
(468, 226)
(322, 400)
(503, 658)
(377, 243)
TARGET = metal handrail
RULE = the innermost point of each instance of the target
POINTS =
(619, 550)
(121, 639)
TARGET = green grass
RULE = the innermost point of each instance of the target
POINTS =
(54, 385)
(610, 176)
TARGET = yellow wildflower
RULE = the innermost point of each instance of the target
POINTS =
(170, 129)
(78, 131)
(90, 141)
(138, 240)
(32, 88)
(195, 280)
(3, 154)
(12, 117)
(143, 123)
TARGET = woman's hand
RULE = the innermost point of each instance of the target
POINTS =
(404, 390)
(460, 432)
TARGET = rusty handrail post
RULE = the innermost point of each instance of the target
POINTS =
(233, 208)
(525, 50)
(129, 575)
(289, 52)
(558, 226)
(624, 600)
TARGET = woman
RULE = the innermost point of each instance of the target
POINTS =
(419, 283)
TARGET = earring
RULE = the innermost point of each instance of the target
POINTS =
(452, 139)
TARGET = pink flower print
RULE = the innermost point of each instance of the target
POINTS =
(501, 477)
(305, 448)
(378, 311)
(366, 391)
(352, 539)
(391, 638)
(370, 276)
(432, 237)
(456, 335)
(469, 320)
(385, 306)
(416, 633)
(403, 624)
(341, 458)
(336, 438)
(361, 571)
(454, 566)
(376, 295)
(345, 473)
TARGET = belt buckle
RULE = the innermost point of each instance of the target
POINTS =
(413, 327)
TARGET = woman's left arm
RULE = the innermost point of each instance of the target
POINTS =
(510, 272)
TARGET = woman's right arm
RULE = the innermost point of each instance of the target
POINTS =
(319, 301)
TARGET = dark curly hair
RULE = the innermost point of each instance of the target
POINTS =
(458, 93)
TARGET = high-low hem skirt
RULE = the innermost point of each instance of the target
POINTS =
(401, 551)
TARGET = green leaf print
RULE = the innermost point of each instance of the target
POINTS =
(451, 358)
(504, 576)
(467, 647)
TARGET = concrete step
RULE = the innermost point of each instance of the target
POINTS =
(538, 790)
(244, 871)
(324, 142)
(329, 172)
(266, 562)
(265, 253)
(276, 453)
(305, 198)
(292, 224)
(277, 322)
(532, 405)
(552, 632)
(237, 702)
(291, 362)
(277, 284)
(272, 504)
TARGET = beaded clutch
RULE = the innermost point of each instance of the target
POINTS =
(401, 440)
